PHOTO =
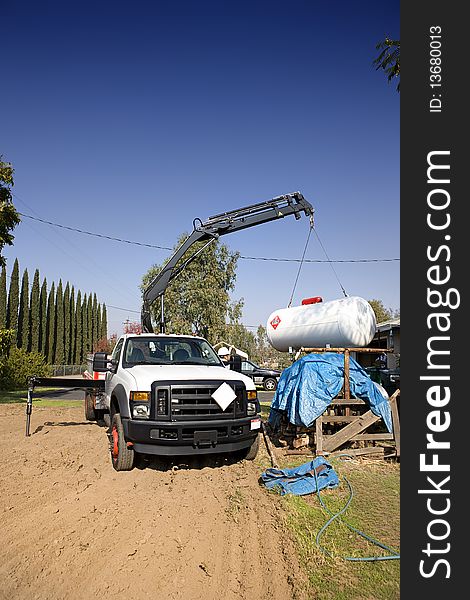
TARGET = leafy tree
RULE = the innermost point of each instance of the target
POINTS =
(19, 366)
(197, 300)
(132, 327)
(22, 336)
(269, 355)
(13, 297)
(59, 317)
(3, 298)
(78, 343)
(106, 345)
(50, 326)
(9, 218)
(34, 315)
(43, 318)
(381, 312)
(389, 59)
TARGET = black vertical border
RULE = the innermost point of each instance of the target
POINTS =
(421, 132)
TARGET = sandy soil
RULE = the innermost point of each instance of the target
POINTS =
(71, 527)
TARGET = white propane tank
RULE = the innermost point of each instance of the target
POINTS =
(345, 323)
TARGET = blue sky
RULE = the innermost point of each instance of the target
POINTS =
(132, 122)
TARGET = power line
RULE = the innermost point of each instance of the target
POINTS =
(265, 258)
(100, 235)
(124, 309)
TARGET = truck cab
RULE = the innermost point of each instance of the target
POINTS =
(172, 395)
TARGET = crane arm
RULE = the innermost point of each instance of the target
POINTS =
(212, 229)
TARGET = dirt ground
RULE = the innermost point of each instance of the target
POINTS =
(72, 527)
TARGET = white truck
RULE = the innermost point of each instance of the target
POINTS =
(171, 394)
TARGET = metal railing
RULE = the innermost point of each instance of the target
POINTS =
(64, 370)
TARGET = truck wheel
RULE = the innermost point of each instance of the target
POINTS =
(270, 384)
(122, 457)
(89, 407)
(252, 451)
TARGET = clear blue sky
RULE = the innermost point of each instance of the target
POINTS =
(131, 122)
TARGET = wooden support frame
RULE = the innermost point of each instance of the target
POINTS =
(355, 426)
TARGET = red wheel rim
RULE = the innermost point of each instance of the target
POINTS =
(115, 449)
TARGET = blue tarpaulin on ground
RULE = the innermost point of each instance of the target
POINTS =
(308, 386)
(310, 477)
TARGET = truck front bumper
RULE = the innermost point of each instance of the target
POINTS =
(179, 438)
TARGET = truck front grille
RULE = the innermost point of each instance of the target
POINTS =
(193, 401)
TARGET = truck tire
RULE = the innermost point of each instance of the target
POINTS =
(270, 384)
(90, 414)
(122, 457)
(252, 451)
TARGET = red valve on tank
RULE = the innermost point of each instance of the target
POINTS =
(313, 300)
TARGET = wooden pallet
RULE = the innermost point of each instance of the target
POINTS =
(355, 426)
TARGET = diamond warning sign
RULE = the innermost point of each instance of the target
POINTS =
(275, 322)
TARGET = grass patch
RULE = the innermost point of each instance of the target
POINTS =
(265, 408)
(236, 502)
(21, 397)
(374, 510)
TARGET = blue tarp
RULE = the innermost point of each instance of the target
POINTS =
(307, 387)
(310, 477)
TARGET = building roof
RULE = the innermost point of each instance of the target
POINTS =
(390, 324)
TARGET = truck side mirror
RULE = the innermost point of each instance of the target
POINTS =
(100, 362)
(236, 363)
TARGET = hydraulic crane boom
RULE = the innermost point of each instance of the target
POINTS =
(212, 229)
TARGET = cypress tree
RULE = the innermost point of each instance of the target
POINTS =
(43, 318)
(13, 297)
(34, 312)
(89, 309)
(72, 326)
(67, 324)
(23, 313)
(50, 326)
(59, 336)
(3, 298)
(104, 323)
(84, 327)
(78, 344)
(94, 315)
(98, 322)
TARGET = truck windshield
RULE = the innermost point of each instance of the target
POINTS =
(168, 350)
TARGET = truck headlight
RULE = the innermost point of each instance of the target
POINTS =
(251, 409)
(252, 405)
(140, 411)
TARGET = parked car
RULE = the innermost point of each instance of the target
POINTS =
(268, 378)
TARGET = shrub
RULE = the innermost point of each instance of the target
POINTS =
(6, 340)
(19, 366)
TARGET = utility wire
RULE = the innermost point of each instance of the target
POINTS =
(100, 235)
(265, 258)
(301, 262)
(333, 269)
